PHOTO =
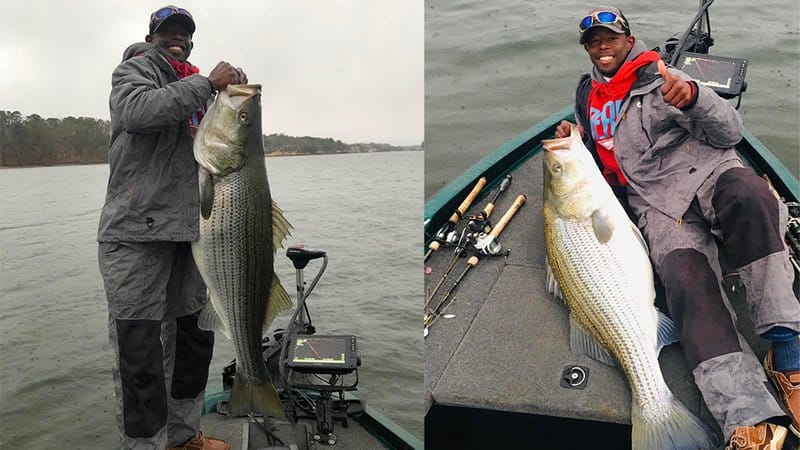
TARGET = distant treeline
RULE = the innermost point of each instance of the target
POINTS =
(34, 141)
(281, 144)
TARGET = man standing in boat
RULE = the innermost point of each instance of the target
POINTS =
(665, 143)
(151, 215)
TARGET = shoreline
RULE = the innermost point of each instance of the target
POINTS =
(266, 155)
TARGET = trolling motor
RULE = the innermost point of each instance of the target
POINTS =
(326, 364)
(301, 361)
(689, 53)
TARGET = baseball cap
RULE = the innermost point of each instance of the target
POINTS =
(604, 16)
(171, 13)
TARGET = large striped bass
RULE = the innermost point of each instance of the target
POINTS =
(240, 228)
(600, 262)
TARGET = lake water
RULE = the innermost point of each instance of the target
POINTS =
(494, 69)
(365, 210)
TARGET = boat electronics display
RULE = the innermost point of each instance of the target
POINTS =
(317, 353)
(722, 74)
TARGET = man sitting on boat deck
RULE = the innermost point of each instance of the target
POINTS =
(151, 215)
(665, 142)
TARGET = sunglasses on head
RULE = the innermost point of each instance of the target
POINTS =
(168, 11)
(602, 17)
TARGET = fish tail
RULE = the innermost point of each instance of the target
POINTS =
(250, 397)
(676, 429)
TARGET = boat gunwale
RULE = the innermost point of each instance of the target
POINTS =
(493, 166)
(510, 155)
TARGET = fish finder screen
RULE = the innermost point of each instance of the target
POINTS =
(337, 352)
(313, 350)
(724, 75)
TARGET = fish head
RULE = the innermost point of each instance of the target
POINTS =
(231, 130)
(571, 177)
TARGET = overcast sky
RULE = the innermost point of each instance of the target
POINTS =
(347, 69)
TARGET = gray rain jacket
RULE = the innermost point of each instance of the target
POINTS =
(152, 192)
(665, 153)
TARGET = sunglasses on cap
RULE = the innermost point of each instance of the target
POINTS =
(158, 17)
(168, 11)
(602, 17)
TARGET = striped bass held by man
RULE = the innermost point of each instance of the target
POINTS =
(240, 228)
(601, 266)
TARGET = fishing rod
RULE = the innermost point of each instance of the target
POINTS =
(457, 214)
(482, 218)
(435, 313)
(480, 222)
(487, 243)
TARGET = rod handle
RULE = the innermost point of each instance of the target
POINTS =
(507, 216)
(468, 201)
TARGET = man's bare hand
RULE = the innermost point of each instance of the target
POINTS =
(677, 91)
(225, 74)
(564, 129)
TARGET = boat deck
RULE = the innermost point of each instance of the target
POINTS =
(242, 433)
(368, 431)
(494, 369)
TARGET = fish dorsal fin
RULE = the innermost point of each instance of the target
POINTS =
(602, 225)
(280, 226)
(210, 320)
(666, 333)
(583, 343)
(278, 302)
(206, 191)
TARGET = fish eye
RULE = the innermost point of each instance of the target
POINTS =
(243, 116)
(557, 167)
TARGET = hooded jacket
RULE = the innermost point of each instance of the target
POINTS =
(665, 153)
(152, 192)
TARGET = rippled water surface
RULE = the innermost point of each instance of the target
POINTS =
(494, 69)
(365, 210)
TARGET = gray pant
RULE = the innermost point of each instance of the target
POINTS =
(733, 209)
(154, 294)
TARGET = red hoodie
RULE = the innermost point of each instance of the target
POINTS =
(605, 100)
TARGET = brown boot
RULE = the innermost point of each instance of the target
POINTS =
(788, 385)
(201, 442)
(764, 436)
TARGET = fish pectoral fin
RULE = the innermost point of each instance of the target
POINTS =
(583, 343)
(206, 191)
(666, 333)
(210, 320)
(552, 282)
(602, 225)
(280, 226)
(278, 302)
